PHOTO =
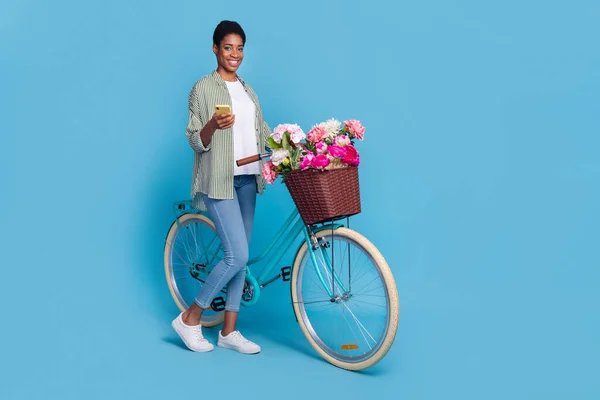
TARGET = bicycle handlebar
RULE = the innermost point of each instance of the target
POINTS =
(251, 159)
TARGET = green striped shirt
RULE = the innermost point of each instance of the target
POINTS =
(212, 173)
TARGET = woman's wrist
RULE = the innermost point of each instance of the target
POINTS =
(208, 131)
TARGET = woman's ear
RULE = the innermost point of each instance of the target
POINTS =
(215, 49)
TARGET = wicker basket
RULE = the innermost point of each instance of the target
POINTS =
(322, 196)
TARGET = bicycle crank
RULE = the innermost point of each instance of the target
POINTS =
(285, 275)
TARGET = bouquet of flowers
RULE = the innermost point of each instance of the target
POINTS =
(286, 146)
(328, 145)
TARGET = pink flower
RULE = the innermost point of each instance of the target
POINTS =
(268, 173)
(316, 134)
(355, 128)
(306, 161)
(296, 133)
(337, 151)
(278, 132)
(351, 157)
(342, 140)
(320, 161)
(321, 147)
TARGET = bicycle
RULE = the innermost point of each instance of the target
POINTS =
(192, 249)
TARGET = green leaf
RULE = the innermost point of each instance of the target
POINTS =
(294, 158)
(285, 141)
(273, 144)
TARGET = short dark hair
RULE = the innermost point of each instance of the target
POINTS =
(226, 28)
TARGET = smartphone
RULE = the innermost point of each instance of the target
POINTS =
(222, 109)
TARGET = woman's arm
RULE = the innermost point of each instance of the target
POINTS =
(196, 125)
(198, 132)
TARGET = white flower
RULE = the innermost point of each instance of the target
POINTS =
(342, 140)
(278, 156)
(335, 163)
(332, 127)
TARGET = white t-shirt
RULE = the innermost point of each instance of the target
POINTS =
(244, 135)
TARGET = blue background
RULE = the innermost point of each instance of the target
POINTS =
(480, 181)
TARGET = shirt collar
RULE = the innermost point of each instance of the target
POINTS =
(215, 75)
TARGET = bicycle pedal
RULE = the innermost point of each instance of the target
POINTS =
(218, 304)
(286, 273)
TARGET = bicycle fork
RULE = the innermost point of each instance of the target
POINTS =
(322, 261)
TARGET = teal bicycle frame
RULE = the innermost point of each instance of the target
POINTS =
(288, 233)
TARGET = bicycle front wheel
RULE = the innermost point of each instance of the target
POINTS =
(346, 303)
(192, 249)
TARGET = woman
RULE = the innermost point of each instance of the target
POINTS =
(227, 191)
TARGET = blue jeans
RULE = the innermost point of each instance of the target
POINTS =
(233, 221)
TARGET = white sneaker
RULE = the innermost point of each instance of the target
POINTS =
(236, 341)
(191, 335)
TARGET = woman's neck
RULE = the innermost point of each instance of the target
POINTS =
(226, 75)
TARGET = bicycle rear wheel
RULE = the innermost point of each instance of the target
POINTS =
(192, 249)
(352, 320)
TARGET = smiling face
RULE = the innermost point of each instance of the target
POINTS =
(230, 53)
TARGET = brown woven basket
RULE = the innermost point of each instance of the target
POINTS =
(325, 195)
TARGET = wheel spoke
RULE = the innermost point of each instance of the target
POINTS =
(368, 291)
(350, 327)
(313, 302)
(360, 325)
(369, 303)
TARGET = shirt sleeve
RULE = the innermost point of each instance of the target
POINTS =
(266, 133)
(195, 122)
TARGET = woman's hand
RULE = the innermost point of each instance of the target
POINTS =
(218, 121)
(223, 121)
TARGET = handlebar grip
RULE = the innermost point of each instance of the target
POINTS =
(248, 160)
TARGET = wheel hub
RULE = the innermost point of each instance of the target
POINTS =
(339, 298)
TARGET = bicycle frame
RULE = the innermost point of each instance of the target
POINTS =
(281, 242)
(288, 233)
